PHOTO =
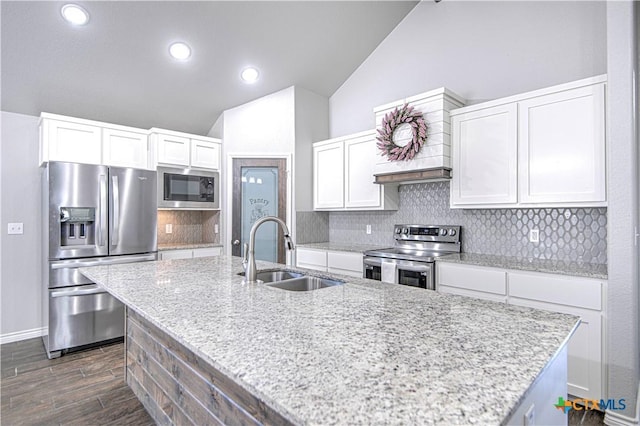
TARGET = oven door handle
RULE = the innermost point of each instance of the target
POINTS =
(371, 261)
(425, 267)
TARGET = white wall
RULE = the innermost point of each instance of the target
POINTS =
(20, 285)
(312, 125)
(622, 307)
(480, 50)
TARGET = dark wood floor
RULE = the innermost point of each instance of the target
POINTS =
(88, 388)
(81, 388)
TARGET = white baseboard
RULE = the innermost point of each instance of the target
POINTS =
(16, 336)
(615, 419)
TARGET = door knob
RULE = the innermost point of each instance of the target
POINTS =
(236, 242)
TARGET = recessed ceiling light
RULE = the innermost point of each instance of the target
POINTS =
(249, 75)
(180, 51)
(75, 14)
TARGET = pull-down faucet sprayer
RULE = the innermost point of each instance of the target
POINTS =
(249, 259)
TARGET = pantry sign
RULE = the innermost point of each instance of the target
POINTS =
(582, 404)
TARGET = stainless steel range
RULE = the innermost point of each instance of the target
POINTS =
(412, 260)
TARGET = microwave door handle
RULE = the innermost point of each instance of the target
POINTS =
(116, 211)
(102, 228)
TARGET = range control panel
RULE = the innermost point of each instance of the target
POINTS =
(438, 233)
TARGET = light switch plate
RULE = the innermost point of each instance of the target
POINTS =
(15, 228)
(534, 235)
(216, 229)
(368, 229)
(168, 228)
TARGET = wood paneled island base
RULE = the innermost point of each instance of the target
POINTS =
(178, 387)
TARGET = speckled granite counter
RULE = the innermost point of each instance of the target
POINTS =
(361, 353)
(579, 269)
(356, 248)
(175, 246)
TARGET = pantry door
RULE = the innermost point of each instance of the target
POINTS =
(259, 189)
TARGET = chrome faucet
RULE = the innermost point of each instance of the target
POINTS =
(249, 259)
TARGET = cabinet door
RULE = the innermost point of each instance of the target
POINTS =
(585, 369)
(328, 176)
(205, 154)
(360, 160)
(73, 142)
(562, 147)
(311, 259)
(125, 149)
(484, 151)
(176, 254)
(173, 150)
(209, 251)
(345, 263)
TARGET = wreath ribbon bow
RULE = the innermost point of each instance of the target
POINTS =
(391, 121)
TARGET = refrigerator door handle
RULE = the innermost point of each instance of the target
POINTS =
(116, 211)
(87, 291)
(102, 229)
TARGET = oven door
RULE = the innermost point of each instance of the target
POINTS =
(417, 274)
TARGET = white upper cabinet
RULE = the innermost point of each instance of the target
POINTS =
(328, 175)
(539, 149)
(562, 147)
(343, 175)
(70, 141)
(186, 150)
(172, 149)
(125, 148)
(360, 159)
(205, 154)
(485, 156)
(77, 140)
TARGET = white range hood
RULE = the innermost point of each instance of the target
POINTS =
(433, 161)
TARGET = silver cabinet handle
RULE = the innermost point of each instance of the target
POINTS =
(236, 242)
(83, 292)
(116, 211)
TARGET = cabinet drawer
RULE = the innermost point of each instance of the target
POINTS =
(572, 291)
(311, 257)
(204, 252)
(472, 278)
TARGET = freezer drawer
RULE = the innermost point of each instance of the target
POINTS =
(82, 315)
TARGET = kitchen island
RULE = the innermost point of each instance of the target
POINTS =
(201, 343)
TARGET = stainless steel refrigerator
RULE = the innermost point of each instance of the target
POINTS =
(93, 215)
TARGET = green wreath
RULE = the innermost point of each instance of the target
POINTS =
(390, 123)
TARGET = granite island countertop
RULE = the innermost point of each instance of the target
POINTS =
(361, 353)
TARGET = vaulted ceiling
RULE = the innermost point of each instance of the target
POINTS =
(117, 68)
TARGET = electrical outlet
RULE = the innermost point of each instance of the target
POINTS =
(368, 229)
(168, 228)
(567, 214)
(14, 228)
(530, 416)
(216, 229)
(534, 235)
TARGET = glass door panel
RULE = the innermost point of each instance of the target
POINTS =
(259, 199)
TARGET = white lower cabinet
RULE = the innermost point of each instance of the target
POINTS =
(189, 253)
(339, 262)
(578, 296)
(347, 263)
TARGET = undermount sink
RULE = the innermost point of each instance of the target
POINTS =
(275, 276)
(294, 281)
(305, 283)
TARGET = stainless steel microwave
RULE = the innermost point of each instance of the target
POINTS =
(188, 189)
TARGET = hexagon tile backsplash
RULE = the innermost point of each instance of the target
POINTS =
(582, 237)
